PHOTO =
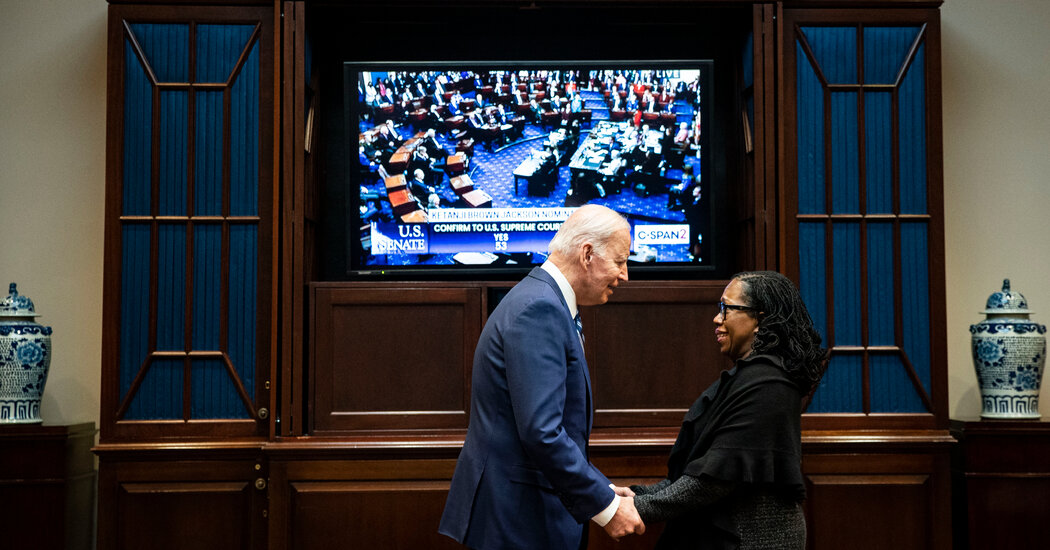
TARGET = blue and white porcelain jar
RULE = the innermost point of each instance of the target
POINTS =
(25, 356)
(1009, 352)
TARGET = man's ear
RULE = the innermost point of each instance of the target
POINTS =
(586, 251)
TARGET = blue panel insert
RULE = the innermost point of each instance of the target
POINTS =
(878, 152)
(244, 139)
(160, 395)
(167, 49)
(207, 287)
(214, 393)
(244, 276)
(134, 302)
(138, 137)
(810, 121)
(835, 49)
(845, 154)
(218, 49)
(915, 287)
(207, 197)
(171, 288)
(173, 153)
(812, 264)
(847, 291)
(880, 284)
(912, 124)
(749, 60)
(885, 51)
(841, 389)
(891, 389)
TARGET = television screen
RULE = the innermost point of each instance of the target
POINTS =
(468, 167)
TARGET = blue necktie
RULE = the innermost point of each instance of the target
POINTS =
(579, 326)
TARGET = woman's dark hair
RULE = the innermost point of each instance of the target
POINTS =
(785, 328)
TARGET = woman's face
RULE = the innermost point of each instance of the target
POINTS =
(735, 330)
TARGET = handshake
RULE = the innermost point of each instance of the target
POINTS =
(626, 521)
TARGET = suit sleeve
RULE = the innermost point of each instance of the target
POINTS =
(536, 347)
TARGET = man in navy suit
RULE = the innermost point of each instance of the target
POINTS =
(523, 479)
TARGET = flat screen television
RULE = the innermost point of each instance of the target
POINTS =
(469, 168)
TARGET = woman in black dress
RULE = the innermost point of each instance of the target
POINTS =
(734, 475)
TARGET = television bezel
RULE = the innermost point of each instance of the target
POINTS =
(714, 190)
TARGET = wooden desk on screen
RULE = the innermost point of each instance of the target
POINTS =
(477, 199)
(462, 184)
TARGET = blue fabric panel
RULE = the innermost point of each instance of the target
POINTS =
(813, 283)
(244, 276)
(160, 395)
(207, 287)
(891, 389)
(912, 124)
(811, 162)
(244, 139)
(749, 60)
(173, 151)
(208, 159)
(841, 390)
(915, 286)
(878, 152)
(880, 284)
(171, 288)
(167, 49)
(835, 49)
(138, 136)
(846, 269)
(308, 54)
(885, 51)
(214, 393)
(218, 48)
(134, 302)
(845, 154)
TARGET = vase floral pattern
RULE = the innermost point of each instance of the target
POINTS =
(25, 358)
(1009, 353)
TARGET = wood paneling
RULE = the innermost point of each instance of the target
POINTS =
(47, 486)
(660, 338)
(393, 357)
(173, 499)
(1001, 481)
(863, 495)
(399, 357)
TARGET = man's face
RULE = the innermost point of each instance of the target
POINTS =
(603, 272)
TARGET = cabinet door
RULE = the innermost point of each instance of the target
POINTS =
(182, 500)
(188, 288)
(863, 208)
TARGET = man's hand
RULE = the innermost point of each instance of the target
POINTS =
(626, 521)
(622, 491)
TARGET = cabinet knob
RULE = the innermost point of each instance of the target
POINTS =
(260, 483)
(263, 413)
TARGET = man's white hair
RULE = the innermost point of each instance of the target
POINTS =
(591, 223)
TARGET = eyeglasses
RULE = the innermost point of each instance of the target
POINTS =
(724, 307)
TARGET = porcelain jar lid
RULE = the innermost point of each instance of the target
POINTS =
(1006, 301)
(16, 305)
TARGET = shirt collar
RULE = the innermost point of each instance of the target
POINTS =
(563, 284)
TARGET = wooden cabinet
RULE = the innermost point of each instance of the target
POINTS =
(189, 221)
(251, 391)
(47, 479)
(1001, 481)
(182, 496)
